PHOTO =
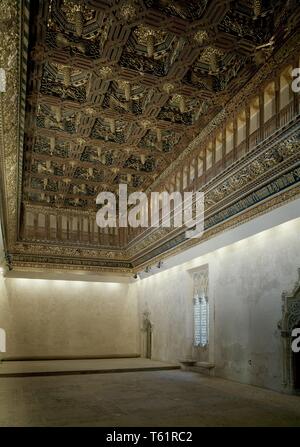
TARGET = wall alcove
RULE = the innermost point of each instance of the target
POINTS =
(290, 320)
(147, 328)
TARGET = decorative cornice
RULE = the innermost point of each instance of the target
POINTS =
(264, 208)
(250, 173)
(66, 252)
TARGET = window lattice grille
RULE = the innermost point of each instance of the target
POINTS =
(200, 321)
(201, 309)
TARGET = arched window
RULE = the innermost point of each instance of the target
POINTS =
(185, 177)
(219, 146)
(53, 226)
(269, 101)
(64, 227)
(241, 127)
(254, 114)
(200, 164)
(286, 94)
(2, 340)
(229, 137)
(209, 156)
(178, 188)
(192, 171)
(29, 223)
(201, 308)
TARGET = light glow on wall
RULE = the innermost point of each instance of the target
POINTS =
(65, 283)
(263, 237)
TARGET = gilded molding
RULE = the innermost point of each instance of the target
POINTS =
(259, 210)
(14, 18)
(9, 113)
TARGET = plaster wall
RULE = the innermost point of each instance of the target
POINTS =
(67, 318)
(54, 318)
(246, 280)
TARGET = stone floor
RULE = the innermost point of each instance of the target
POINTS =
(148, 398)
(66, 367)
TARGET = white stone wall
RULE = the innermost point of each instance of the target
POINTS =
(246, 280)
(67, 318)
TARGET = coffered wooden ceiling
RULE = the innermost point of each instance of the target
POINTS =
(123, 92)
(117, 89)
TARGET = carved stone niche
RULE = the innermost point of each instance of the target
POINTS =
(290, 320)
(146, 341)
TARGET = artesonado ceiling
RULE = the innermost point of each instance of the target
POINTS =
(106, 92)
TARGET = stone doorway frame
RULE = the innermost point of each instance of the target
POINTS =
(290, 318)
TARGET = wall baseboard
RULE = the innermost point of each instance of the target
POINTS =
(69, 357)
